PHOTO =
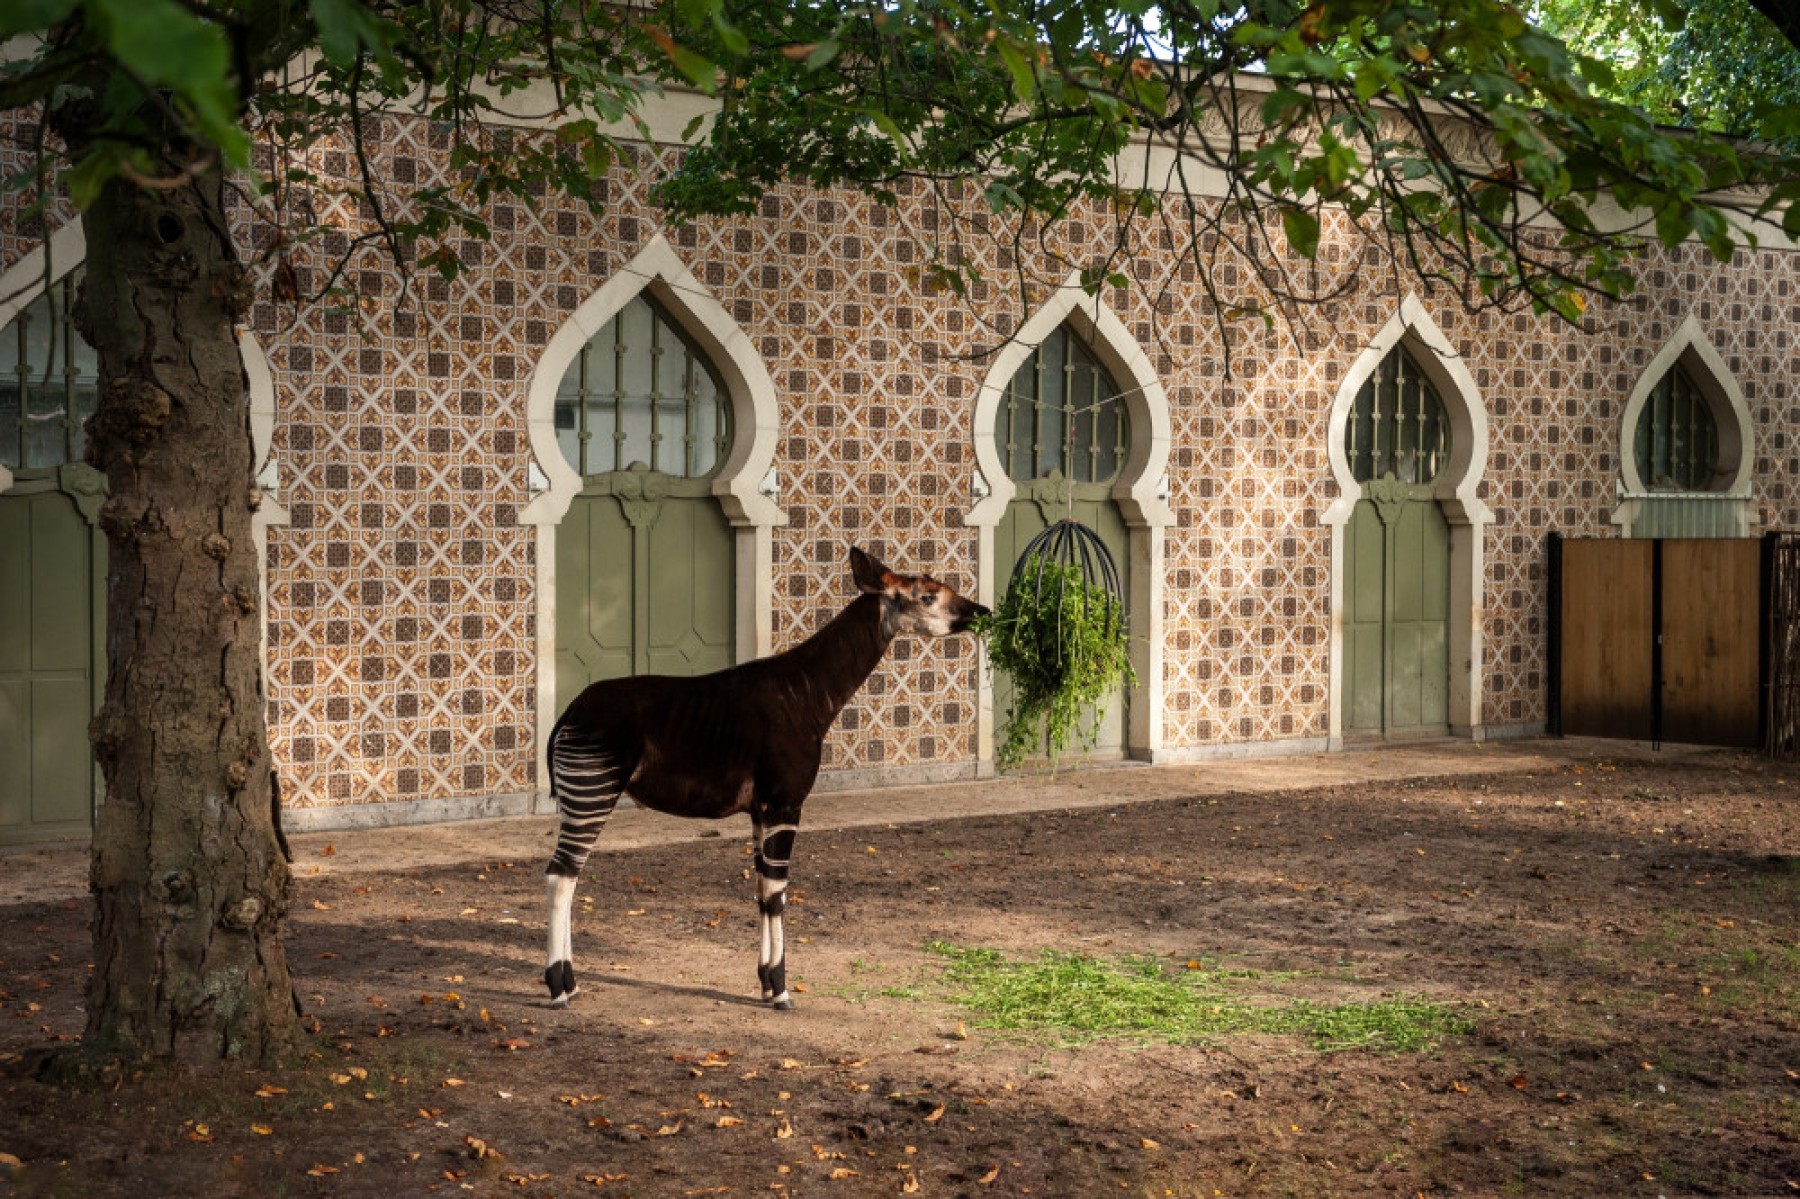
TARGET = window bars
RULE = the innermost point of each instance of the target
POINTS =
(1062, 413)
(48, 382)
(645, 394)
(1677, 437)
(1398, 425)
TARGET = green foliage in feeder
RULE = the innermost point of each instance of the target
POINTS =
(1063, 642)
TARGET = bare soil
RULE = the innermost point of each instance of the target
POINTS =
(1622, 930)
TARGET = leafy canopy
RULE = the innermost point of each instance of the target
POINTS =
(1718, 65)
(1461, 143)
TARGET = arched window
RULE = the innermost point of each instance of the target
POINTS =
(641, 394)
(1398, 426)
(1062, 414)
(48, 382)
(1677, 438)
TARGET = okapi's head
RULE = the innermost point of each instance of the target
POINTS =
(913, 603)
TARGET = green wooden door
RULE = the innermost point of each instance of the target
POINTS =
(643, 581)
(52, 652)
(1034, 508)
(1397, 613)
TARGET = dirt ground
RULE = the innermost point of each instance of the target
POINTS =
(1621, 930)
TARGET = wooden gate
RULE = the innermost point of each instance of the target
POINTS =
(1781, 642)
(1658, 640)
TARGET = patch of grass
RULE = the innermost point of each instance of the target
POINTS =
(1079, 998)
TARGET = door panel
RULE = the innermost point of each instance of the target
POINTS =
(1396, 618)
(593, 595)
(51, 582)
(644, 581)
(691, 615)
(1365, 610)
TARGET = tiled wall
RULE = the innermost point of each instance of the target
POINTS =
(402, 593)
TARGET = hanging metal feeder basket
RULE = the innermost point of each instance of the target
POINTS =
(1078, 550)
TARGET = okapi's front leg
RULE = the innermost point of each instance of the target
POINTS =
(774, 849)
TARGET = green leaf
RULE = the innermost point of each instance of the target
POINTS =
(336, 21)
(699, 70)
(166, 45)
(1024, 77)
(31, 16)
(1302, 231)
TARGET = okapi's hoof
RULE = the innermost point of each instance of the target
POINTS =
(560, 978)
(782, 1003)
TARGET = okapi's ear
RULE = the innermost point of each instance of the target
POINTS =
(868, 573)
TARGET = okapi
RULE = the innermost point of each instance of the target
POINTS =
(744, 739)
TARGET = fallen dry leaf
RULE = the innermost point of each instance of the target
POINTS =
(727, 1122)
(261, 1130)
(1147, 1143)
(843, 1172)
(452, 1082)
(601, 1180)
(320, 1171)
(989, 1177)
(936, 1115)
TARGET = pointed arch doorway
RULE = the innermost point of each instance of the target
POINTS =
(1408, 445)
(652, 424)
(53, 555)
(1132, 494)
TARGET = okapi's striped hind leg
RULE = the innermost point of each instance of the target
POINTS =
(586, 782)
(774, 849)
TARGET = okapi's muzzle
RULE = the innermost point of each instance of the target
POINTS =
(964, 620)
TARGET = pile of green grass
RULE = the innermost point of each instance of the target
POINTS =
(1078, 998)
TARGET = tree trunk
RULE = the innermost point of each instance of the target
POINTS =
(190, 883)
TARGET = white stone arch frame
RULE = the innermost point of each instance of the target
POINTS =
(1456, 494)
(1690, 348)
(1141, 492)
(743, 485)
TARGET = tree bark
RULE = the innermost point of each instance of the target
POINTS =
(190, 884)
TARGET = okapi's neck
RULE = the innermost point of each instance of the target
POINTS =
(834, 662)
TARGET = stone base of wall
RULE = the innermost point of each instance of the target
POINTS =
(1236, 750)
(418, 811)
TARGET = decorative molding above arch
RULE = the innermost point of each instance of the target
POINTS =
(741, 484)
(1458, 487)
(1141, 492)
(1457, 493)
(755, 413)
(1689, 347)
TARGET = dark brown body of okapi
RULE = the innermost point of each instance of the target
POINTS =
(745, 739)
